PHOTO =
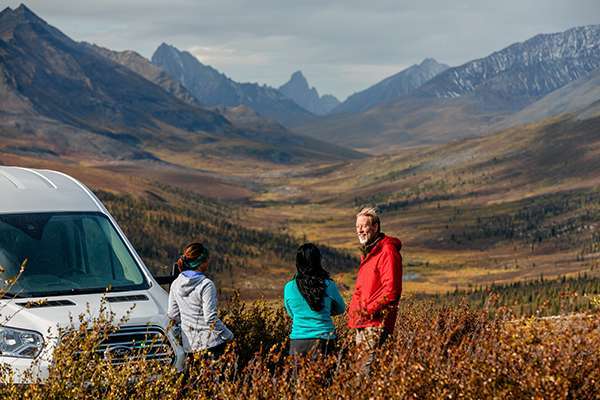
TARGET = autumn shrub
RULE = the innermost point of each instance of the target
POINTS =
(438, 351)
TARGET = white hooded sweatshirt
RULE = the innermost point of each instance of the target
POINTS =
(193, 303)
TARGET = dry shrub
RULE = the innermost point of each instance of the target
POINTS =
(437, 352)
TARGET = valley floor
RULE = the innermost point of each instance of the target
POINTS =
(517, 205)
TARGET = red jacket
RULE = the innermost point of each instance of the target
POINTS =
(378, 286)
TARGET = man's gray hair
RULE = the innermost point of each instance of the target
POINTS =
(372, 213)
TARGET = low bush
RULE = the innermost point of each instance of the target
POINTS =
(438, 351)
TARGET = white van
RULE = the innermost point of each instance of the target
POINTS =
(76, 257)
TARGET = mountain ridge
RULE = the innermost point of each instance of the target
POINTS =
(142, 66)
(568, 55)
(213, 88)
(469, 100)
(395, 86)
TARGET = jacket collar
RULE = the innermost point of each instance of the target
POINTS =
(192, 274)
(370, 249)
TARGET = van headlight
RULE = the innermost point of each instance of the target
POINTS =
(20, 342)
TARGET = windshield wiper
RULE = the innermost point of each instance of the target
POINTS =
(9, 296)
(74, 291)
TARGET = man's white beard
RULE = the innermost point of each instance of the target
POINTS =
(363, 239)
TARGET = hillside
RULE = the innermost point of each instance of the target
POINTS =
(145, 68)
(64, 84)
(404, 123)
(161, 210)
(253, 261)
(508, 206)
(61, 98)
(572, 98)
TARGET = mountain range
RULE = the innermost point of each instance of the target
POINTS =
(59, 97)
(468, 100)
(77, 97)
(307, 97)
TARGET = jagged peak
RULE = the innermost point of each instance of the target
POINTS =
(23, 8)
(23, 16)
(298, 79)
(298, 75)
(174, 51)
(165, 45)
(166, 49)
(429, 61)
(6, 11)
(26, 14)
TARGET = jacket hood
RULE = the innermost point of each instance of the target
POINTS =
(189, 282)
(380, 244)
(393, 241)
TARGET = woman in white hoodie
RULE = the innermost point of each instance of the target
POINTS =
(193, 304)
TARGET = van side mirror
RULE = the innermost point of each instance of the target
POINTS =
(169, 277)
(165, 280)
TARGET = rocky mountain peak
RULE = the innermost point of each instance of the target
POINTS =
(428, 60)
(298, 89)
(7, 11)
(21, 14)
(166, 51)
(299, 79)
(430, 63)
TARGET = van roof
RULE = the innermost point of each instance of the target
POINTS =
(39, 190)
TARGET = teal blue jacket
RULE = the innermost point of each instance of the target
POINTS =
(309, 324)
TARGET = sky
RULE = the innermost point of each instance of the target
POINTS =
(342, 47)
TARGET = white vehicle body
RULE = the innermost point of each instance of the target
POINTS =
(41, 208)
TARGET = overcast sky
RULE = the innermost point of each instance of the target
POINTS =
(341, 46)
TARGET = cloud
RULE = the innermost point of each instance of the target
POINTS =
(224, 56)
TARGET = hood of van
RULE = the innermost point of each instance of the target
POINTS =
(48, 315)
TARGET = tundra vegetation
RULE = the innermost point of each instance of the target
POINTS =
(443, 348)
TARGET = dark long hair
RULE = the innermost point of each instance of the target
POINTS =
(311, 275)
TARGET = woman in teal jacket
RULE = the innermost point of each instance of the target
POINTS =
(311, 298)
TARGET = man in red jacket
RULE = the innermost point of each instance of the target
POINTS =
(374, 304)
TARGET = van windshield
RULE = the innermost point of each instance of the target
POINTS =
(64, 253)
